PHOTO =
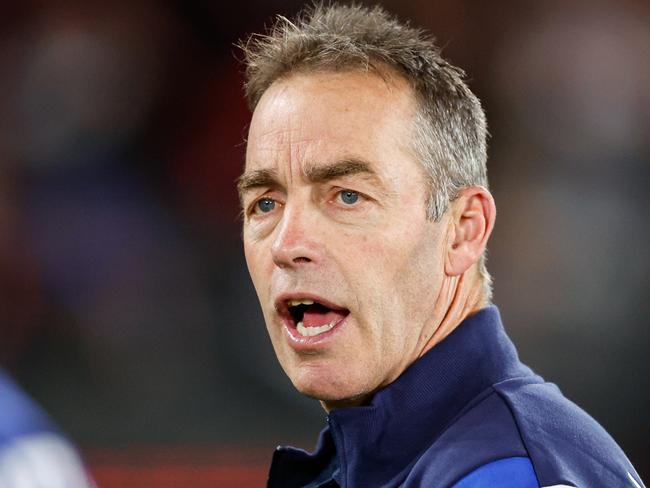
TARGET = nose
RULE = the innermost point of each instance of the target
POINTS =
(295, 241)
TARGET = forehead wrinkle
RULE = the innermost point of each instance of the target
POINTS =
(286, 147)
(277, 138)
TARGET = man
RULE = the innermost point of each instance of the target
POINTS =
(366, 217)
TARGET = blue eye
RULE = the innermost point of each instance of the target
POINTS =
(349, 197)
(265, 205)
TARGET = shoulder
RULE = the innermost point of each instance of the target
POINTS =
(484, 432)
(532, 424)
(564, 443)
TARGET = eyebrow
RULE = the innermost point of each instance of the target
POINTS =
(338, 169)
(257, 179)
(260, 178)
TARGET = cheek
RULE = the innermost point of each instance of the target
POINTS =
(390, 254)
(251, 261)
(370, 268)
(377, 271)
(406, 270)
(256, 267)
(372, 247)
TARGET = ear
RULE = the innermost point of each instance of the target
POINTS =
(472, 219)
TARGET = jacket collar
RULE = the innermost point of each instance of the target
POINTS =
(379, 443)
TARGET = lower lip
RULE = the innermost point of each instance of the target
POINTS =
(303, 343)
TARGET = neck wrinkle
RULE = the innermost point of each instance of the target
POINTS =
(467, 298)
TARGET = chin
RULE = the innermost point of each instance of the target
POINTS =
(318, 391)
(331, 394)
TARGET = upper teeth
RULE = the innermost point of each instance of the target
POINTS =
(294, 303)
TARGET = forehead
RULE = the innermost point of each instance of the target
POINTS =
(308, 118)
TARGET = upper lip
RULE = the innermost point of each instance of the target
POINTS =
(282, 302)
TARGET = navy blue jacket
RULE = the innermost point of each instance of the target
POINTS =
(467, 414)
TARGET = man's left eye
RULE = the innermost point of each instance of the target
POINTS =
(349, 197)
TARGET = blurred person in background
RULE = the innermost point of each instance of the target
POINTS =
(366, 217)
(33, 452)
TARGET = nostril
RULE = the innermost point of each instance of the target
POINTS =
(301, 259)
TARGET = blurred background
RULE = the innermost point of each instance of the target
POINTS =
(125, 305)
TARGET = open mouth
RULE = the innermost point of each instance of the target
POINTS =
(311, 318)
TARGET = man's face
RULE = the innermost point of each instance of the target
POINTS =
(346, 265)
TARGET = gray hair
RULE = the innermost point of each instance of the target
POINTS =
(450, 129)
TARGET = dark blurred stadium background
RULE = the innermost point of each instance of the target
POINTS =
(125, 305)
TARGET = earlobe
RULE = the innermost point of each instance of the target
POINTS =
(473, 214)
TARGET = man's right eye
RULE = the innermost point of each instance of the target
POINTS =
(264, 205)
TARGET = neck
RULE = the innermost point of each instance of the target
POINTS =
(460, 297)
(463, 296)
